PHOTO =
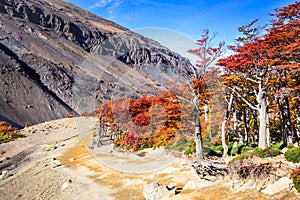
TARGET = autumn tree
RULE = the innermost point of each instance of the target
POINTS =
(225, 120)
(206, 56)
(267, 67)
(284, 44)
(140, 123)
(249, 64)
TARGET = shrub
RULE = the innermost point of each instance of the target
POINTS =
(27, 124)
(217, 148)
(273, 150)
(245, 149)
(278, 146)
(184, 145)
(295, 176)
(241, 157)
(267, 152)
(236, 150)
(8, 133)
(293, 155)
(189, 151)
(290, 146)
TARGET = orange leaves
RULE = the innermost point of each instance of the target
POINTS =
(142, 119)
(4, 127)
(7, 132)
(137, 106)
(272, 56)
(149, 121)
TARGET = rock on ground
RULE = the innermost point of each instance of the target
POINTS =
(156, 191)
(281, 184)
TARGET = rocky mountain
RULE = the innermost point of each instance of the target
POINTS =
(56, 58)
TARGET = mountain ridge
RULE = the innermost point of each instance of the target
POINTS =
(64, 59)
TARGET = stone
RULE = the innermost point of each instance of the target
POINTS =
(4, 175)
(156, 191)
(245, 186)
(171, 186)
(281, 184)
(284, 150)
(55, 164)
(195, 184)
(190, 185)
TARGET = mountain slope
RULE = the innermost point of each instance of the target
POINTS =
(56, 58)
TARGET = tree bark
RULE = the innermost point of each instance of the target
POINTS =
(198, 134)
(285, 118)
(246, 128)
(234, 118)
(262, 108)
(223, 133)
(264, 134)
(223, 129)
(285, 121)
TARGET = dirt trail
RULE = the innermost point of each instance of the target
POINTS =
(104, 173)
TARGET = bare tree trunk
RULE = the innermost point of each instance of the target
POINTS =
(256, 129)
(234, 118)
(286, 128)
(205, 110)
(246, 128)
(239, 130)
(264, 134)
(223, 129)
(223, 132)
(198, 134)
(287, 116)
(199, 148)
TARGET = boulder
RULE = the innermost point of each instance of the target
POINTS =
(156, 191)
(195, 184)
(4, 175)
(281, 184)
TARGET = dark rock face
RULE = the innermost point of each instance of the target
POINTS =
(56, 58)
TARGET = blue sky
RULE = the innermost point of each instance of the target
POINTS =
(187, 18)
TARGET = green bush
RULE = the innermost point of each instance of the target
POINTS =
(278, 146)
(273, 150)
(241, 157)
(189, 151)
(236, 150)
(290, 146)
(186, 146)
(245, 149)
(267, 152)
(7, 137)
(217, 148)
(293, 155)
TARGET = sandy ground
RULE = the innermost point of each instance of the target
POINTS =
(103, 173)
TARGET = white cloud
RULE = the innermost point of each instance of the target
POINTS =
(100, 4)
(109, 4)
